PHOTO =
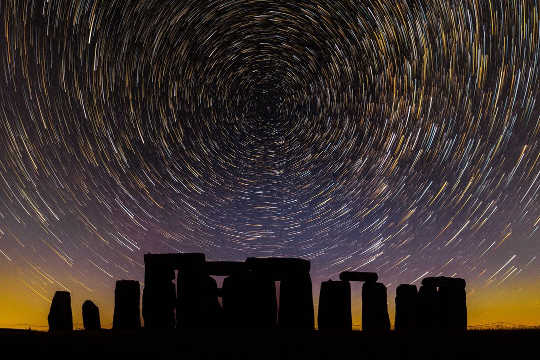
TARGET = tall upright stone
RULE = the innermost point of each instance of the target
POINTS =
(160, 293)
(453, 303)
(296, 302)
(127, 314)
(296, 297)
(335, 306)
(428, 311)
(60, 317)
(90, 314)
(159, 298)
(374, 307)
(211, 313)
(197, 296)
(406, 307)
(249, 301)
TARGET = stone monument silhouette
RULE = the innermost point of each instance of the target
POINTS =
(90, 314)
(60, 317)
(442, 303)
(406, 307)
(126, 305)
(374, 300)
(335, 306)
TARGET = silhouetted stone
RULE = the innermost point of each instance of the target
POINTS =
(430, 281)
(428, 311)
(127, 305)
(406, 306)
(159, 298)
(173, 261)
(358, 276)
(159, 295)
(90, 314)
(374, 307)
(296, 302)
(197, 301)
(60, 317)
(278, 268)
(448, 305)
(453, 303)
(224, 268)
(335, 305)
(249, 301)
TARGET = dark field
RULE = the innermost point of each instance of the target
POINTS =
(260, 344)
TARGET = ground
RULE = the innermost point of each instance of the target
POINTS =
(260, 344)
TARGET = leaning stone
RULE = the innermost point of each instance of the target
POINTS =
(90, 313)
(60, 317)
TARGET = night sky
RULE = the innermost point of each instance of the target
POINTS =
(401, 137)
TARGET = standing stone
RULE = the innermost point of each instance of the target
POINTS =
(127, 305)
(159, 298)
(453, 303)
(159, 295)
(296, 302)
(238, 307)
(197, 304)
(249, 301)
(374, 307)
(428, 311)
(90, 313)
(60, 317)
(406, 306)
(335, 306)
(211, 313)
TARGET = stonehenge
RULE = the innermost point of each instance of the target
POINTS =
(181, 292)
(60, 317)
(126, 305)
(249, 300)
(90, 314)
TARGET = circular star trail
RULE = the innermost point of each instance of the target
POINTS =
(400, 137)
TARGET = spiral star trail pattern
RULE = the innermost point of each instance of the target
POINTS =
(401, 137)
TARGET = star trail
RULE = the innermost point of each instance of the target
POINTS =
(401, 137)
